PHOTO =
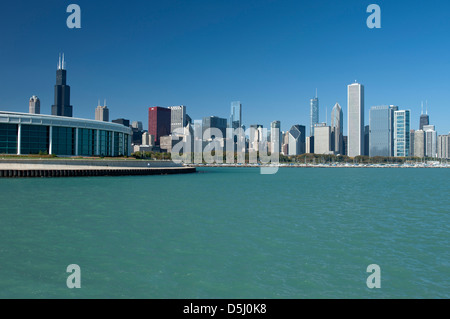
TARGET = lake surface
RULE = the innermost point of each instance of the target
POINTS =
(228, 233)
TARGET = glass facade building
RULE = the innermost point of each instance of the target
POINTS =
(23, 133)
(402, 121)
(381, 130)
(236, 115)
(314, 114)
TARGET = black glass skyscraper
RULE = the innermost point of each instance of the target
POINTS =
(62, 105)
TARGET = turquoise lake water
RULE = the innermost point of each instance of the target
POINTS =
(228, 233)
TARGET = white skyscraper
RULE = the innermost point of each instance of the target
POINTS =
(275, 137)
(355, 120)
(35, 105)
(177, 117)
(430, 140)
(322, 139)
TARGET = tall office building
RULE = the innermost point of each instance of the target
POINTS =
(322, 139)
(337, 129)
(137, 125)
(215, 122)
(411, 142)
(62, 105)
(102, 113)
(236, 115)
(424, 118)
(159, 120)
(345, 139)
(443, 146)
(402, 120)
(35, 105)
(275, 136)
(355, 121)
(297, 140)
(256, 137)
(430, 141)
(366, 140)
(419, 143)
(381, 130)
(314, 114)
(178, 117)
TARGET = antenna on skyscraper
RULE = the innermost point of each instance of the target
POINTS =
(105, 103)
(63, 66)
(426, 107)
(59, 62)
(316, 93)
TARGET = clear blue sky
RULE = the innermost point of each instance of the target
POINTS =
(271, 55)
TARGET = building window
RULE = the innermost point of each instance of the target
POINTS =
(63, 140)
(8, 138)
(34, 139)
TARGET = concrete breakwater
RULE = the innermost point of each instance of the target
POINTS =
(72, 168)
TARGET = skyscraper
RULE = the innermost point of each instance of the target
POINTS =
(419, 143)
(35, 105)
(62, 105)
(430, 140)
(275, 136)
(177, 117)
(236, 115)
(411, 142)
(381, 130)
(215, 122)
(159, 122)
(102, 113)
(402, 120)
(314, 114)
(322, 139)
(337, 129)
(443, 146)
(137, 125)
(424, 118)
(355, 121)
(297, 140)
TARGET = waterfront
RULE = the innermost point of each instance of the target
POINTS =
(228, 233)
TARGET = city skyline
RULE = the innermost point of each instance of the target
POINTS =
(207, 76)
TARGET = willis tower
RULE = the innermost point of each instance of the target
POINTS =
(62, 105)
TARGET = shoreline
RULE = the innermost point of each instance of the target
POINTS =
(71, 168)
(325, 166)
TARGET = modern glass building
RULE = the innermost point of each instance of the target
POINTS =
(236, 115)
(402, 120)
(337, 130)
(24, 133)
(215, 122)
(381, 130)
(355, 96)
(314, 114)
